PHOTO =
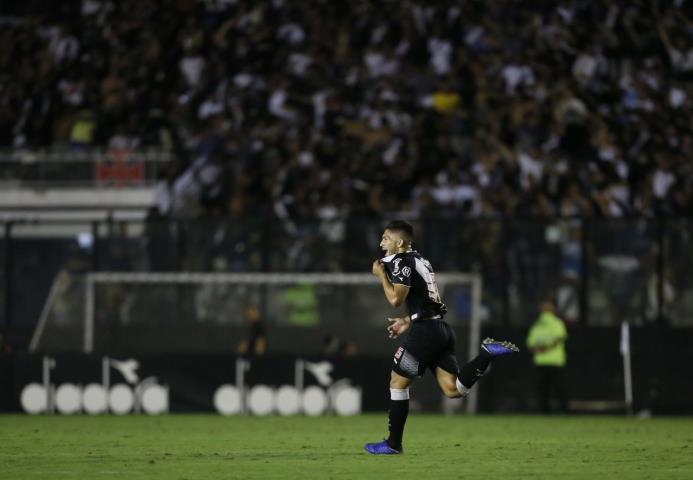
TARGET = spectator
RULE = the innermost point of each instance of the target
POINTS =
(256, 342)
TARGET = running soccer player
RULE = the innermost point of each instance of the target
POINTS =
(430, 344)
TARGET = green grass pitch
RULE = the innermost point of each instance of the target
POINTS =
(436, 447)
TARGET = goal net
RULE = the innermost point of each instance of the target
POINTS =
(206, 312)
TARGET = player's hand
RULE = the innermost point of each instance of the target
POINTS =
(378, 268)
(397, 326)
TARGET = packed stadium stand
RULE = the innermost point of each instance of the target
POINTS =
(327, 108)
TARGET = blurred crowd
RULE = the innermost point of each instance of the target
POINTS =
(328, 108)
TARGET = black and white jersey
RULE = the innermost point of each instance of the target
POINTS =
(414, 271)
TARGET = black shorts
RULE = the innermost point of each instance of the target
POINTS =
(429, 344)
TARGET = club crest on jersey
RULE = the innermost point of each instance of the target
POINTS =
(395, 269)
(406, 271)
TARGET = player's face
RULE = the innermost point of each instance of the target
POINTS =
(390, 242)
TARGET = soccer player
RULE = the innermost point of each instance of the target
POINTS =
(430, 344)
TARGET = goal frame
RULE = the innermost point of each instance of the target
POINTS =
(448, 278)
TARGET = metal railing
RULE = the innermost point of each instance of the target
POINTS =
(73, 167)
(598, 271)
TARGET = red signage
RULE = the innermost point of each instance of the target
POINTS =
(120, 168)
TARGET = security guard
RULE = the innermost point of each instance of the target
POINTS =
(546, 340)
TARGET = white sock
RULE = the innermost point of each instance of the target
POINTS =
(399, 394)
(464, 391)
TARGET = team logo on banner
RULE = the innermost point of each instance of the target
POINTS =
(330, 395)
(135, 395)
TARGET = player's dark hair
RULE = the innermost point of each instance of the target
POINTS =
(403, 228)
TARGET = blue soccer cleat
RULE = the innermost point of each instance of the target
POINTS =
(381, 448)
(496, 348)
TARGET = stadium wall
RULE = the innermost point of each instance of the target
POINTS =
(662, 377)
(662, 366)
(227, 384)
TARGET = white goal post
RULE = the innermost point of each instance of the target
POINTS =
(92, 279)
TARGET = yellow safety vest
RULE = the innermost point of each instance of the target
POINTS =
(548, 330)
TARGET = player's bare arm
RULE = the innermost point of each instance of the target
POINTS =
(394, 293)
